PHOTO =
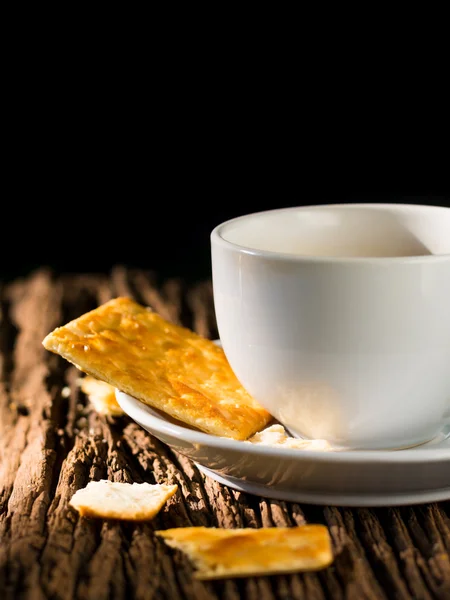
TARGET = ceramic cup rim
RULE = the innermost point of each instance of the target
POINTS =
(217, 236)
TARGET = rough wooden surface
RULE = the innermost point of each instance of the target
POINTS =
(52, 443)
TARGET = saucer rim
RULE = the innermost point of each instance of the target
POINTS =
(142, 414)
(341, 499)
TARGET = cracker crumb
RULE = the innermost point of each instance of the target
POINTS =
(276, 435)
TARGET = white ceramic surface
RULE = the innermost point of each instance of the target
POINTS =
(336, 318)
(345, 478)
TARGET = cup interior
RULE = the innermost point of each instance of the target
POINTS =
(346, 231)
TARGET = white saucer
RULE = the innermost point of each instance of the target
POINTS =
(345, 478)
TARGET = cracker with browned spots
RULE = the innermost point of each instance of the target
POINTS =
(219, 553)
(166, 366)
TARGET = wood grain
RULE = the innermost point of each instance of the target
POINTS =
(52, 443)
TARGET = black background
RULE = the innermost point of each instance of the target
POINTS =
(93, 179)
(167, 235)
(115, 154)
(77, 219)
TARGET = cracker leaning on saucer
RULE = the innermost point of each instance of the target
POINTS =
(219, 553)
(166, 366)
(126, 501)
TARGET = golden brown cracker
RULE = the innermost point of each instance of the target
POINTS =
(167, 366)
(219, 553)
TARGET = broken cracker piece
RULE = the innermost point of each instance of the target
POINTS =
(277, 436)
(101, 395)
(164, 365)
(126, 501)
(219, 553)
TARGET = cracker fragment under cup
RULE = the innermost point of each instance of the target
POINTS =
(124, 501)
(166, 366)
(101, 395)
(220, 553)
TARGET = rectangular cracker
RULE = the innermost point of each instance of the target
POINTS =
(166, 366)
(219, 553)
(125, 501)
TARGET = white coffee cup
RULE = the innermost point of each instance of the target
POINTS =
(336, 318)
